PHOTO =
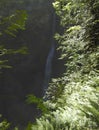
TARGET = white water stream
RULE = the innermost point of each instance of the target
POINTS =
(48, 67)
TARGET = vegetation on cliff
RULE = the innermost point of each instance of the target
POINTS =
(9, 27)
(73, 100)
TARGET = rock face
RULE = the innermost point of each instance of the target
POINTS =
(27, 74)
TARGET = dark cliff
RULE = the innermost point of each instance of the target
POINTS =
(27, 74)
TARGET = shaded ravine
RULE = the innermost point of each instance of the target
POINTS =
(27, 74)
(48, 67)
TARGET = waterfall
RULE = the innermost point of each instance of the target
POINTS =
(48, 67)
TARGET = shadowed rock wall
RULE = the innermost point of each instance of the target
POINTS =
(27, 74)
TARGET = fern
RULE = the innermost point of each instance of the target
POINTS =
(93, 110)
(4, 125)
(38, 101)
(73, 99)
(10, 26)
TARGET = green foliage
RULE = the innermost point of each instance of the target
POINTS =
(13, 23)
(31, 99)
(73, 99)
(22, 50)
(93, 110)
(9, 27)
(92, 32)
(4, 125)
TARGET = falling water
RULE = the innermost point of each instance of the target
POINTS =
(48, 67)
